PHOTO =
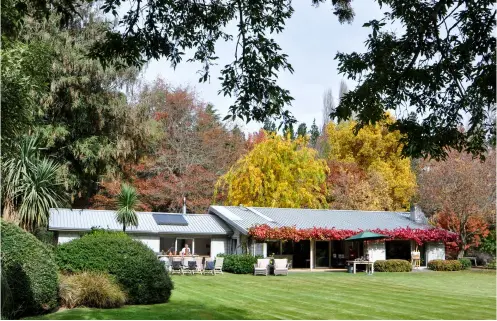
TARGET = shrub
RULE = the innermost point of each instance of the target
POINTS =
(90, 289)
(239, 263)
(445, 265)
(392, 266)
(134, 265)
(29, 274)
(465, 263)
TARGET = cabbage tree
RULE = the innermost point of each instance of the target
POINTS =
(127, 200)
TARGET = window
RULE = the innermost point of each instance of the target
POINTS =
(273, 247)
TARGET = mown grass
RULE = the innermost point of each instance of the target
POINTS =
(327, 295)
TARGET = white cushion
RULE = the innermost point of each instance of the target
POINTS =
(280, 263)
(262, 263)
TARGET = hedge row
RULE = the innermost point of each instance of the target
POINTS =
(239, 263)
(392, 266)
(445, 265)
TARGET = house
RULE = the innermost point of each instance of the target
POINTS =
(230, 229)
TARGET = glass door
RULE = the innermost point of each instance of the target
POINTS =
(322, 254)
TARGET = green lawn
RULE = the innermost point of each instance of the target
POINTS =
(327, 295)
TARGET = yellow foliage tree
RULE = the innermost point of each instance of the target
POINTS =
(377, 152)
(277, 172)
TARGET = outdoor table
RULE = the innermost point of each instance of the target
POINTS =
(369, 266)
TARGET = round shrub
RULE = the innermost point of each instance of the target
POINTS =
(29, 274)
(239, 263)
(466, 263)
(90, 289)
(393, 265)
(445, 265)
(134, 265)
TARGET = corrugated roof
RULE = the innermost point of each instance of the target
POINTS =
(309, 218)
(81, 220)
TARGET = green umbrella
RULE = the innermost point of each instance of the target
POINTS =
(366, 235)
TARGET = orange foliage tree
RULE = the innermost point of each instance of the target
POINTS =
(195, 149)
(459, 195)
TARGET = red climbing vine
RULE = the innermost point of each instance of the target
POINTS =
(420, 236)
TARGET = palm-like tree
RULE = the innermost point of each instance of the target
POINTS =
(127, 200)
(31, 186)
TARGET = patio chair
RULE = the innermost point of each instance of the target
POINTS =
(209, 267)
(280, 267)
(200, 266)
(218, 267)
(261, 267)
(177, 268)
(192, 267)
(184, 262)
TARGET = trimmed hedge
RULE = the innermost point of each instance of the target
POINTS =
(445, 265)
(393, 265)
(29, 274)
(466, 263)
(239, 263)
(90, 289)
(134, 265)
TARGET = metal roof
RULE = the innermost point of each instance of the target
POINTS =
(309, 218)
(63, 219)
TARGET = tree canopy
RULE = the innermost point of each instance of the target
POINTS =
(439, 65)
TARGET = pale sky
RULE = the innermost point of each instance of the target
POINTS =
(311, 39)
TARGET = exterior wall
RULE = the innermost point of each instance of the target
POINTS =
(218, 246)
(376, 250)
(152, 241)
(259, 249)
(65, 237)
(435, 251)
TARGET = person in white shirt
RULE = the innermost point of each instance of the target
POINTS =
(186, 250)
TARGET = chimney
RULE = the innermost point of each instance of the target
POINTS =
(417, 215)
(184, 205)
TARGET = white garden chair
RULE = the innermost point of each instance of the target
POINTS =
(218, 266)
(280, 267)
(261, 267)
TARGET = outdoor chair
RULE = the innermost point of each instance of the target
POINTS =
(261, 267)
(280, 267)
(200, 266)
(192, 267)
(185, 262)
(167, 263)
(177, 268)
(218, 267)
(209, 267)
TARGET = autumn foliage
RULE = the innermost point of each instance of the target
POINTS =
(367, 171)
(459, 195)
(420, 236)
(277, 172)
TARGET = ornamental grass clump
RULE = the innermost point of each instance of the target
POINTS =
(90, 289)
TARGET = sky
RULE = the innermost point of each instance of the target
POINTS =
(311, 39)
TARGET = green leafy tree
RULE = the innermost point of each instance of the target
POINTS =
(127, 201)
(269, 126)
(31, 186)
(441, 65)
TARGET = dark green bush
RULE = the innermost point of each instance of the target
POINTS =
(239, 263)
(134, 265)
(445, 265)
(29, 274)
(392, 266)
(466, 263)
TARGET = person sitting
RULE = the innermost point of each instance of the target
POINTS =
(186, 250)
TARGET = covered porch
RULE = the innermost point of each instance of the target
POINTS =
(200, 245)
(332, 255)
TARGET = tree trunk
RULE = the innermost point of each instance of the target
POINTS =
(124, 227)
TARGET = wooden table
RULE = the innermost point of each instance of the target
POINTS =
(369, 266)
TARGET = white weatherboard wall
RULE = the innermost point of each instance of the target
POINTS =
(435, 251)
(376, 251)
(65, 237)
(152, 241)
(218, 246)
